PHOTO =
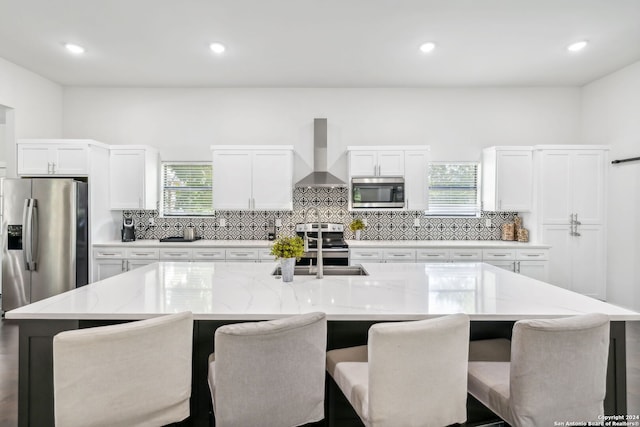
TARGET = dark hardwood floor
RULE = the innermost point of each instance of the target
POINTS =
(9, 371)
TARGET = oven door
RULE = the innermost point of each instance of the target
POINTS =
(329, 257)
(377, 192)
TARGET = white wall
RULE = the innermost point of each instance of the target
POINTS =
(456, 123)
(610, 115)
(36, 108)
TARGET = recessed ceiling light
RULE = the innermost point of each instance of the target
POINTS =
(74, 48)
(577, 46)
(217, 48)
(427, 47)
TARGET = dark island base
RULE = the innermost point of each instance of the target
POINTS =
(35, 398)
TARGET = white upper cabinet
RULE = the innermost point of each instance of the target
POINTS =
(252, 177)
(416, 163)
(507, 179)
(134, 178)
(572, 183)
(365, 161)
(53, 157)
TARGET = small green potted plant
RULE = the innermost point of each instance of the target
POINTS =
(357, 225)
(288, 249)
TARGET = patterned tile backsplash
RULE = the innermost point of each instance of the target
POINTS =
(333, 206)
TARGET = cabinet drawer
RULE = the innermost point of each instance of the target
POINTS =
(146, 253)
(433, 254)
(532, 254)
(175, 254)
(207, 254)
(265, 255)
(364, 254)
(466, 254)
(399, 255)
(498, 254)
(106, 253)
(241, 254)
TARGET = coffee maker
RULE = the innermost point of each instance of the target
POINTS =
(128, 231)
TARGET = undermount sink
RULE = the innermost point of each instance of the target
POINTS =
(329, 270)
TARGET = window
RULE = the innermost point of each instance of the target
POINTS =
(186, 189)
(453, 189)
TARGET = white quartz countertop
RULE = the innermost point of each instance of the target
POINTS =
(453, 244)
(248, 291)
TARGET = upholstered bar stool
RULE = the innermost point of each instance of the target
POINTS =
(269, 373)
(131, 374)
(409, 374)
(555, 372)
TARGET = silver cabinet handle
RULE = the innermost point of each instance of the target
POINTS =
(518, 263)
(107, 254)
(499, 254)
(53, 167)
(124, 268)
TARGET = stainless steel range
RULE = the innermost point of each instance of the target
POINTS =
(334, 249)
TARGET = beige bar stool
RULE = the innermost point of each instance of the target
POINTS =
(131, 374)
(269, 373)
(555, 372)
(409, 374)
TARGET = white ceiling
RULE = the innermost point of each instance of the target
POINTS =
(320, 43)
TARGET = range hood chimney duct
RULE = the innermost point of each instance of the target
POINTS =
(320, 177)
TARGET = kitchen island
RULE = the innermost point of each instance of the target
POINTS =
(221, 293)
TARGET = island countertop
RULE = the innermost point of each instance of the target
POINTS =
(248, 291)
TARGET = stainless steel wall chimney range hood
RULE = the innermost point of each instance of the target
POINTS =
(320, 177)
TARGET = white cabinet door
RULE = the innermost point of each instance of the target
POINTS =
(363, 163)
(134, 179)
(272, 180)
(53, 159)
(588, 186)
(232, 179)
(376, 163)
(588, 265)
(507, 265)
(560, 255)
(416, 183)
(105, 268)
(514, 180)
(70, 160)
(555, 187)
(391, 163)
(535, 269)
(399, 255)
(137, 263)
(126, 179)
(572, 182)
(33, 159)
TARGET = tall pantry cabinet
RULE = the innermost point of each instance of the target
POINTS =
(571, 215)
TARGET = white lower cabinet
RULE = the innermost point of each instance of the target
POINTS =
(239, 255)
(104, 268)
(213, 254)
(399, 255)
(109, 261)
(531, 262)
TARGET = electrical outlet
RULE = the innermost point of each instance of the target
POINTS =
(223, 222)
(416, 222)
(364, 221)
(487, 222)
(278, 222)
(152, 221)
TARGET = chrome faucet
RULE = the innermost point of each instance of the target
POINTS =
(320, 266)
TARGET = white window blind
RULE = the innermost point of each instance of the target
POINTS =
(186, 189)
(453, 189)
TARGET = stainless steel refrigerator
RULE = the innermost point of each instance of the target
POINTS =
(45, 246)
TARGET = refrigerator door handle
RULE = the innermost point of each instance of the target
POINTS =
(29, 221)
(26, 234)
(34, 235)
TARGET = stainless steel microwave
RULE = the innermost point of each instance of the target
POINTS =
(377, 192)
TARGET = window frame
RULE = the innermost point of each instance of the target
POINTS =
(456, 214)
(162, 213)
